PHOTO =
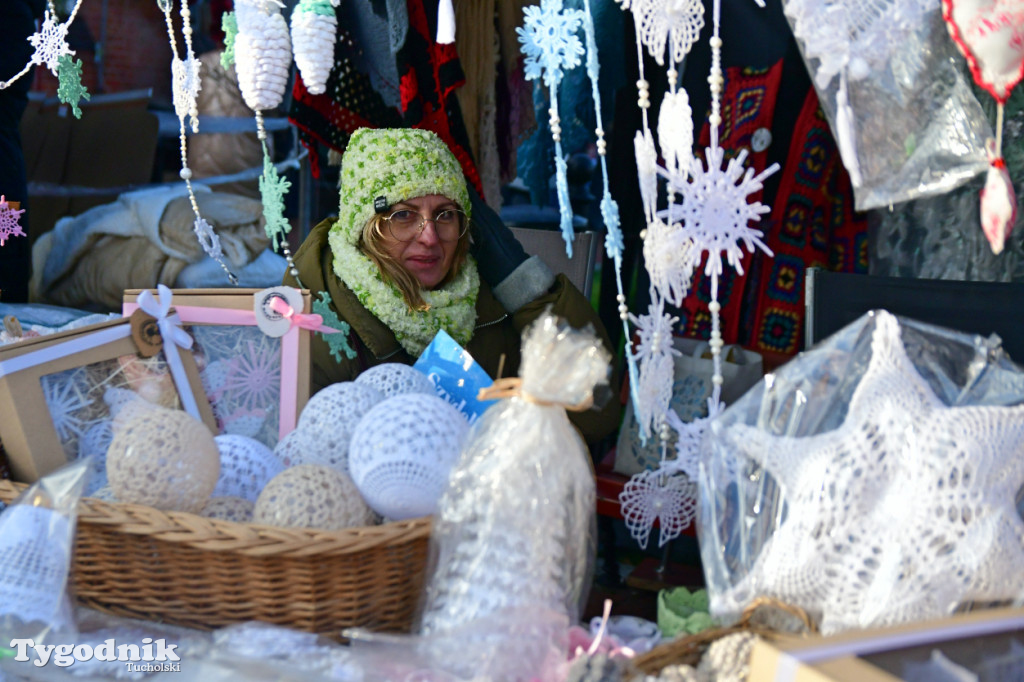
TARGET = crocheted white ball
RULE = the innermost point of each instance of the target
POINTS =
(165, 459)
(237, 509)
(402, 452)
(331, 416)
(246, 466)
(394, 378)
(294, 449)
(311, 496)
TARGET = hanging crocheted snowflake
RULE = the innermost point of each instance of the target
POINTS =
(715, 210)
(669, 258)
(653, 496)
(186, 83)
(70, 89)
(661, 21)
(273, 189)
(548, 36)
(950, 475)
(9, 225)
(690, 441)
(338, 343)
(654, 330)
(208, 239)
(50, 43)
(856, 34)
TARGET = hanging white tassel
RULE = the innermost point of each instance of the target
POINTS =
(445, 23)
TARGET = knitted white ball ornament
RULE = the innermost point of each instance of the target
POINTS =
(228, 508)
(294, 449)
(311, 496)
(246, 466)
(394, 378)
(331, 416)
(402, 452)
(165, 459)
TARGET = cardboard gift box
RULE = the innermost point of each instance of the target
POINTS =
(253, 361)
(57, 391)
(983, 645)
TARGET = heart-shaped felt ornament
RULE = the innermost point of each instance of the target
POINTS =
(990, 34)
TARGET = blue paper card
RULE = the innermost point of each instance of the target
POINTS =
(455, 374)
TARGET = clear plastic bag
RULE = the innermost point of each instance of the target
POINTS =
(889, 81)
(873, 480)
(37, 533)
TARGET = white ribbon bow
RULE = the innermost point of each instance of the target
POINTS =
(174, 337)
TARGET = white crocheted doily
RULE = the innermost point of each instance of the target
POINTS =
(903, 512)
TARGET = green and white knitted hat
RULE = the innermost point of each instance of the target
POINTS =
(383, 166)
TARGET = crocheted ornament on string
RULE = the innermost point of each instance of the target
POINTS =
(653, 353)
(336, 343)
(653, 496)
(50, 42)
(950, 475)
(548, 38)
(9, 225)
(69, 88)
(667, 22)
(263, 52)
(186, 84)
(314, 25)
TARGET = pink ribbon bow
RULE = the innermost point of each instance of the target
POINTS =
(310, 321)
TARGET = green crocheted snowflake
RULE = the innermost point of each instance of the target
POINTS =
(273, 189)
(336, 342)
(228, 24)
(70, 89)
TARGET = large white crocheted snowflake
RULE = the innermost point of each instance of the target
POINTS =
(659, 21)
(66, 403)
(856, 34)
(9, 225)
(715, 209)
(902, 512)
(186, 83)
(654, 355)
(50, 43)
(548, 36)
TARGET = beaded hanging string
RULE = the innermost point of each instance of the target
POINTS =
(263, 57)
(52, 50)
(551, 47)
(710, 217)
(186, 83)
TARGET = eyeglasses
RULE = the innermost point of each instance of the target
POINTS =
(406, 224)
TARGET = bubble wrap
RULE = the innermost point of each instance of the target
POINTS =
(402, 452)
(514, 531)
(873, 481)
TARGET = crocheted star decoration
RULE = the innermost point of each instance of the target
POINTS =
(337, 343)
(548, 36)
(9, 225)
(50, 43)
(904, 511)
(273, 189)
(70, 89)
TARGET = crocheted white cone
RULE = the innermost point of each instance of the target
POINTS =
(246, 466)
(263, 53)
(314, 25)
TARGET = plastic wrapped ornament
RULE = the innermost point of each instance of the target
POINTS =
(294, 449)
(263, 53)
(329, 419)
(246, 466)
(394, 378)
(229, 508)
(311, 496)
(402, 452)
(165, 459)
(314, 25)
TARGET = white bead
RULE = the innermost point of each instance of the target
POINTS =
(717, 380)
(185, 173)
(621, 298)
(556, 138)
(295, 272)
(714, 119)
(623, 316)
(623, 308)
(715, 42)
(643, 234)
(642, 84)
(714, 306)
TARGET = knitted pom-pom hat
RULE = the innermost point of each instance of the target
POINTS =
(381, 167)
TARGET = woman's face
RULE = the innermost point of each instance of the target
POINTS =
(426, 257)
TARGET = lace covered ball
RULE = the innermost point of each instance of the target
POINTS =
(164, 459)
(402, 452)
(294, 449)
(330, 417)
(311, 496)
(246, 466)
(394, 378)
(237, 509)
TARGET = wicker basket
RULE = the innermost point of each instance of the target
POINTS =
(174, 567)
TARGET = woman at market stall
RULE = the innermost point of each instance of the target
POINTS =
(413, 251)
